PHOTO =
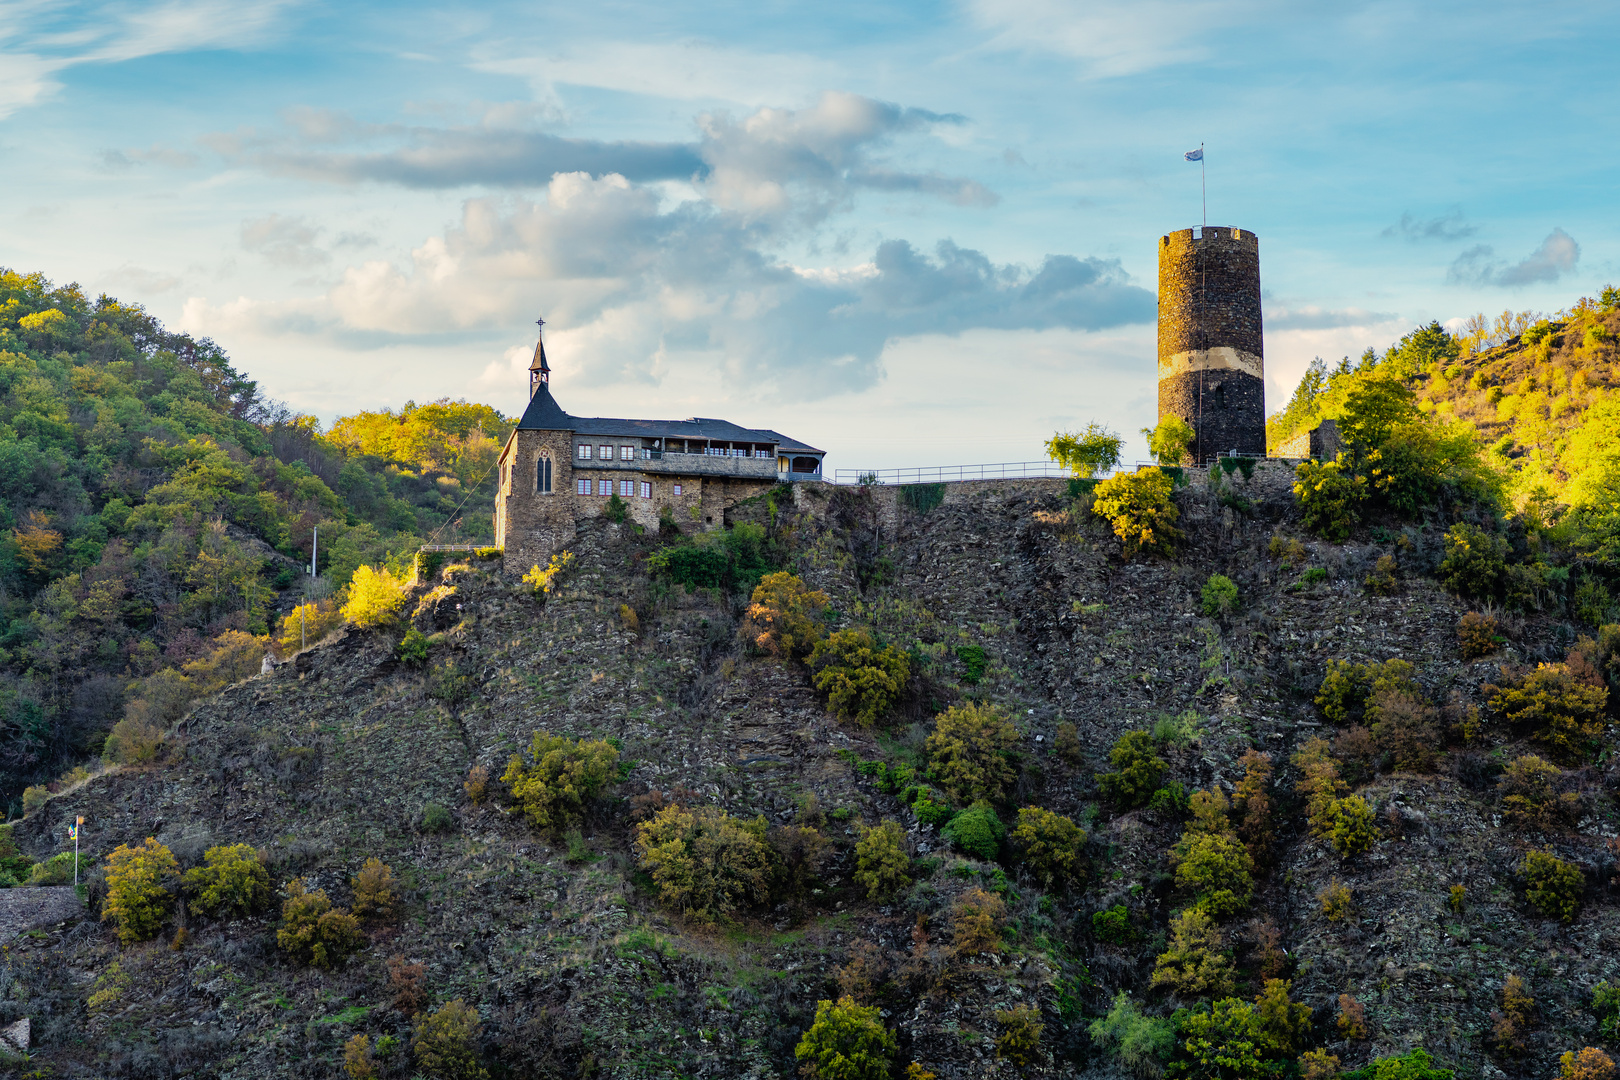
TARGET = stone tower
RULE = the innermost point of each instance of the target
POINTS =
(1211, 371)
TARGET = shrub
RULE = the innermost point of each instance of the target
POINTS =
(1052, 844)
(1178, 730)
(374, 890)
(882, 866)
(357, 1059)
(1344, 690)
(1383, 580)
(862, 682)
(138, 896)
(1415, 1064)
(1170, 800)
(1251, 804)
(110, 987)
(231, 881)
(406, 992)
(1287, 549)
(565, 772)
(1143, 1043)
(974, 663)
(1220, 595)
(1318, 1065)
(1565, 713)
(307, 625)
(445, 1042)
(976, 922)
(1281, 1024)
(1336, 901)
(1477, 635)
(312, 930)
(1330, 497)
(1475, 562)
(733, 560)
(549, 580)
(1020, 1039)
(1139, 508)
(1529, 795)
(1223, 1041)
(930, 811)
(1320, 784)
(971, 750)
(1512, 1024)
(784, 618)
(1196, 963)
(846, 1041)
(1606, 1004)
(436, 818)
(56, 870)
(1552, 885)
(477, 784)
(1113, 925)
(1217, 870)
(1138, 768)
(35, 796)
(412, 650)
(616, 509)
(800, 852)
(705, 863)
(1352, 830)
(1589, 1064)
(1170, 442)
(977, 831)
(375, 598)
(1352, 1020)
(1066, 744)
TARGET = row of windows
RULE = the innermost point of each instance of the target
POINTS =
(627, 488)
(604, 452)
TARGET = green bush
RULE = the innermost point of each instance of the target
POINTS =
(932, 812)
(1196, 964)
(1223, 1042)
(1352, 830)
(846, 1041)
(1218, 870)
(1138, 768)
(705, 863)
(1113, 925)
(57, 870)
(1220, 595)
(314, 932)
(971, 752)
(1020, 1039)
(1171, 442)
(445, 1042)
(1475, 563)
(977, 831)
(1415, 1064)
(436, 818)
(138, 895)
(1552, 885)
(1052, 844)
(1606, 1005)
(973, 662)
(1139, 507)
(1330, 495)
(1564, 712)
(34, 796)
(732, 560)
(1143, 1043)
(862, 682)
(1085, 453)
(412, 650)
(1529, 796)
(564, 773)
(882, 866)
(1170, 800)
(1178, 730)
(231, 881)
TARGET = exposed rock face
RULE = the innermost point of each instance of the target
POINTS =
(576, 970)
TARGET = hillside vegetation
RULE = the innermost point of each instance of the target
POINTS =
(156, 511)
(1240, 773)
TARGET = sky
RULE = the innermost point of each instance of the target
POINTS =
(909, 233)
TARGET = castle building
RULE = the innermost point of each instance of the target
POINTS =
(556, 469)
(1211, 366)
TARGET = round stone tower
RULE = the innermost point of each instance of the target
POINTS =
(1211, 372)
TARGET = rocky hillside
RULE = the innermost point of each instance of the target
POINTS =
(574, 967)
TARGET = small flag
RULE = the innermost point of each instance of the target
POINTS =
(73, 832)
(1194, 155)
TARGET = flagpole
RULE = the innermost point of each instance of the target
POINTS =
(1203, 187)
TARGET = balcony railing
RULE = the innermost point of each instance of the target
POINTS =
(934, 474)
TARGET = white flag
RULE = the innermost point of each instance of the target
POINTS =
(1195, 155)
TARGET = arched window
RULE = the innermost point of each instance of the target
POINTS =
(542, 474)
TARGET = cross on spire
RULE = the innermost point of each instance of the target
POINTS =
(539, 370)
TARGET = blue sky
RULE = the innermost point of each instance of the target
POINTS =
(909, 233)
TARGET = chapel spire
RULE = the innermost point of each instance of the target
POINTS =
(539, 370)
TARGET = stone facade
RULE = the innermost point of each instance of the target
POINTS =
(1211, 348)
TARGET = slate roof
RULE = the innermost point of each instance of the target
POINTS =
(545, 414)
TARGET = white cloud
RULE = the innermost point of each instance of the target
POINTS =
(1111, 37)
(284, 241)
(1556, 257)
(682, 71)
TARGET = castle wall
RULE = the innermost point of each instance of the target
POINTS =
(1210, 338)
(531, 526)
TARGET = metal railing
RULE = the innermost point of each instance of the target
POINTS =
(934, 474)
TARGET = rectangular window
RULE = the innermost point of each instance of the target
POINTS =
(584, 452)
(646, 490)
(605, 452)
(604, 487)
(677, 489)
(627, 453)
(583, 487)
(627, 488)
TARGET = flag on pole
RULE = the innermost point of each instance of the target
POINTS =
(1194, 155)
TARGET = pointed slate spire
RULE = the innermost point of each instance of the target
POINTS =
(539, 370)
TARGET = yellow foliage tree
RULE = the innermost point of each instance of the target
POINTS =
(138, 896)
(307, 624)
(1139, 507)
(784, 617)
(375, 598)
